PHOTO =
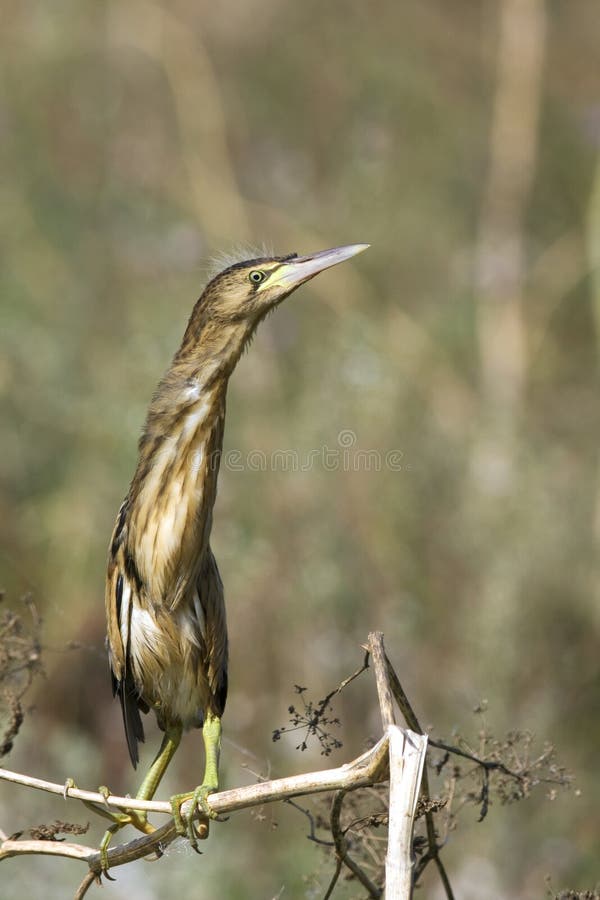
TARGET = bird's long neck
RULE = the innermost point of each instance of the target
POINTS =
(190, 398)
(174, 489)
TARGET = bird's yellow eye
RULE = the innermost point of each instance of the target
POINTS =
(256, 277)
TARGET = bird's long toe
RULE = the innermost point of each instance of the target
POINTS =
(187, 824)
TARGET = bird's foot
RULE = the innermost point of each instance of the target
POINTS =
(119, 820)
(95, 807)
(187, 825)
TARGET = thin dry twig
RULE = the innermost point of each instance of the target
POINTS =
(88, 880)
(20, 655)
(312, 836)
(338, 868)
(341, 847)
(314, 715)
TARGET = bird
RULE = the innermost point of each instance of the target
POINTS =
(166, 623)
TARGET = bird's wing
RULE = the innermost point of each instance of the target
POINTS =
(119, 600)
(210, 610)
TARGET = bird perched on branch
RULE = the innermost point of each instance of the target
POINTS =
(167, 633)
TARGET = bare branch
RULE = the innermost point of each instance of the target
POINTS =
(10, 847)
(382, 678)
(75, 793)
(402, 700)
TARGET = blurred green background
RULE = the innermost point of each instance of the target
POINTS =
(461, 140)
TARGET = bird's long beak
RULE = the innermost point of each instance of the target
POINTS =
(298, 270)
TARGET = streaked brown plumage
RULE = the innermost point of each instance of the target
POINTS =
(167, 634)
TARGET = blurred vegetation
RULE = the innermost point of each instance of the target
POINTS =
(461, 140)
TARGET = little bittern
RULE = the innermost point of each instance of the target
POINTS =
(167, 634)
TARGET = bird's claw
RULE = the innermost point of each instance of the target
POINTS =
(69, 783)
(105, 794)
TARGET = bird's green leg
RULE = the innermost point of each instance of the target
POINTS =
(146, 791)
(211, 733)
(169, 745)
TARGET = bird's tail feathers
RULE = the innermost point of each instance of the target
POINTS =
(130, 705)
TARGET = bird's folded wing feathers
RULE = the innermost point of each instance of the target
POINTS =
(115, 588)
(119, 603)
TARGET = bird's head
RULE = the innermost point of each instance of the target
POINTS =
(247, 291)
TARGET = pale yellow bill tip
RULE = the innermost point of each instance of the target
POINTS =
(301, 268)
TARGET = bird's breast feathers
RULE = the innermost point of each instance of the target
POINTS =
(162, 531)
(171, 516)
